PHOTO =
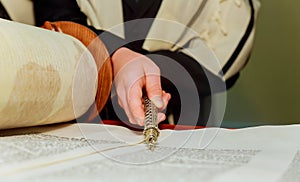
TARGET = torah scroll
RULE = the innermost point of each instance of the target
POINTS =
(45, 76)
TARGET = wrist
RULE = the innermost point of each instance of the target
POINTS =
(119, 53)
(120, 58)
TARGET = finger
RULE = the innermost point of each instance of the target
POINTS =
(120, 102)
(123, 103)
(135, 103)
(131, 118)
(154, 90)
(161, 117)
(166, 98)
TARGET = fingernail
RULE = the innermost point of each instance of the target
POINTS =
(169, 96)
(161, 117)
(157, 101)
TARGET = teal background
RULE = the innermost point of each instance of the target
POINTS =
(267, 91)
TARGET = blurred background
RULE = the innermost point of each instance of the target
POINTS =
(267, 91)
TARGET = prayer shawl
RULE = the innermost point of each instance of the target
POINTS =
(226, 26)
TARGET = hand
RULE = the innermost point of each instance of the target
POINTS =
(133, 72)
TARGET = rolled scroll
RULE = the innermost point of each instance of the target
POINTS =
(47, 77)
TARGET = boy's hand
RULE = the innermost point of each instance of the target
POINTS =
(133, 72)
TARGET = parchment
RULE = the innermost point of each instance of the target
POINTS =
(267, 153)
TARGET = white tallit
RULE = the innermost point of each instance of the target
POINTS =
(221, 24)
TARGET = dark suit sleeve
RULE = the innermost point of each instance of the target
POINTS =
(199, 74)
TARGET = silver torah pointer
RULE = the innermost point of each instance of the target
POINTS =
(151, 131)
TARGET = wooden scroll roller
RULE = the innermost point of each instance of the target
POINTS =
(100, 54)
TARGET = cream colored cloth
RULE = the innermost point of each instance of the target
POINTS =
(20, 10)
(45, 76)
(219, 24)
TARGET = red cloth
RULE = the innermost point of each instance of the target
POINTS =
(161, 126)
